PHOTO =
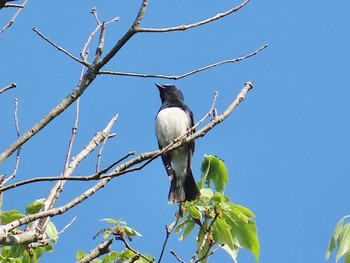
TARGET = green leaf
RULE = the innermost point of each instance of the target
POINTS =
(16, 251)
(131, 232)
(244, 210)
(347, 257)
(240, 213)
(232, 252)
(35, 206)
(183, 224)
(113, 221)
(142, 260)
(223, 232)
(10, 215)
(51, 231)
(334, 238)
(80, 254)
(246, 233)
(205, 170)
(194, 212)
(217, 171)
(343, 241)
(207, 192)
(111, 257)
(188, 229)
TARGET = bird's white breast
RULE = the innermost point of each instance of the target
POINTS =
(170, 124)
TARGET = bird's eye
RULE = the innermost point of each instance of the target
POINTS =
(172, 88)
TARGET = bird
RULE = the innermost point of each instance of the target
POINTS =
(174, 119)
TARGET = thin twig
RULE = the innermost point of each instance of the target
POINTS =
(10, 23)
(14, 5)
(99, 48)
(73, 135)
(11, 86)
(13, 175)
(210, 112)
(94, 12)
(99, 155)
(84, 53)
(127, 245)
(74, 129)
(176, 77)
(60, 48)
(185, 27)
(210, 253)
(176, 256)
(168, 230)
(65, 228)
(206, 235)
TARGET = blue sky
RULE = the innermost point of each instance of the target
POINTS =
(286, 146)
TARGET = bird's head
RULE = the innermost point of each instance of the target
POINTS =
(169, 92)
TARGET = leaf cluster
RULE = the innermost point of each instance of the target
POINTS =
(220, 224)
(225, 224)
(23, 253)
(341, 240)
(123, 233)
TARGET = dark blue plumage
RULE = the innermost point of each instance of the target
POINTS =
(174, 118)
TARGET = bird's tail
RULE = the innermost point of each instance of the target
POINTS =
(183, 190)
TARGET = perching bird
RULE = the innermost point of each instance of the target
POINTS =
(174, 119)
(3, 2)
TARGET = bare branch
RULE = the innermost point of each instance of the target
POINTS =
(101, 249)
(72, 138)
(130, 33)
(65, 228)
(14, 5)
(176, 256)
(10, 23)
(100, 154)
(210, 253)
(94, 12)
(168, 230)
(11, 86)
(99, 48)
(85, 52)
(13, 175)
(61, 48)
(176, 77)
(185, 27)
(211, 111)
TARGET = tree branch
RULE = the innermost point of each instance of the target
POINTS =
(185, 27)
(101, 249)
(169, 230)
(11, 86)
(61, 48)
(176, 77)
(10, 23)
(13, 175)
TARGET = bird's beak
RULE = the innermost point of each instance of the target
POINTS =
(159, 86)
